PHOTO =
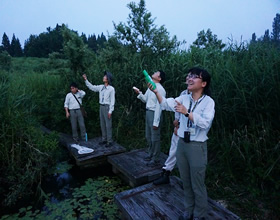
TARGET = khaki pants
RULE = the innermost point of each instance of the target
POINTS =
(152, 136)
(105, 123)
(76, 116)
(192, 161)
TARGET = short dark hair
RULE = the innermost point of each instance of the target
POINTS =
(73, 84)
(162, 76)
(205, 76)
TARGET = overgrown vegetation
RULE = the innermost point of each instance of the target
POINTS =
(244, 140)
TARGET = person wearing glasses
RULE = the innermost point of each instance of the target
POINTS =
(197, 111)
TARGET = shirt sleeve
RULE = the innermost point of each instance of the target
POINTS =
(82, 93)
(158, 109)
(112, 103)
(93, 87)
(142, 97)
(205, 119)
(66, 102)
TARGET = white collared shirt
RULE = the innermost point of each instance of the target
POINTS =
(152, 103)
(70, 101)
(203, 115)
(106, 94)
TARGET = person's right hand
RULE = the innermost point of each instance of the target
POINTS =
(137, 91)
(67, 114)
(85, 76)
(176, 123)
(151, 88)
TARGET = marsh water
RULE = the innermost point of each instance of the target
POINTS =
(59, 187)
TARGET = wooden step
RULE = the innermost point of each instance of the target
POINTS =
(162, 202)
(132, 168)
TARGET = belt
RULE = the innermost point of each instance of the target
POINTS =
(74, 109)
(103, 104)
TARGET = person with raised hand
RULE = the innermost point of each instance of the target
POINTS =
(107, 103)
(153, 118)
(197, 111)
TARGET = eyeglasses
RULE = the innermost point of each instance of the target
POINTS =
(193, 76)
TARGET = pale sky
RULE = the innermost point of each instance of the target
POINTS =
(234, 19)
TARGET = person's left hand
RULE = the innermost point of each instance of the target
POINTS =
(180, 108)
(109, 115)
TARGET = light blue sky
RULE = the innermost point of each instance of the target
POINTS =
(234, 19)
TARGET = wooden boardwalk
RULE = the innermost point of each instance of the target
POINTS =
(162, 202)
(132, 168)
(97, 158)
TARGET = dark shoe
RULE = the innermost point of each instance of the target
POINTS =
(164, 179)
(109, 144)
(102, 142)
(186, 216)
(148, 158)
(198, 218)
(153, 163)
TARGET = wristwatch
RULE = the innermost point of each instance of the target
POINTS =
(187, 114)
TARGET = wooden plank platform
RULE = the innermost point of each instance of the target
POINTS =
(96, 158)
(132, 168)
(162, 202)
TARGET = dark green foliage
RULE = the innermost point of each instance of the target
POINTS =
(93, 200)
(208, 40)
(140, 33)
(15, 50)
(45, 43)
(76, 52)
(5, 60)
(25, 153)
(6, 46)
(275, 35)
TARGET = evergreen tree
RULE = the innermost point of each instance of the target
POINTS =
(16, 50)
(254, 38)
(101, 40)
(266, 37)
(6, 43)
(84, 38)
(92, 43)
(275, 35)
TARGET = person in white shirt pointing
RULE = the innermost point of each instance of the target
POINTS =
(107, 103)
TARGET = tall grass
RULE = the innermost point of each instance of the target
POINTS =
(244, 138)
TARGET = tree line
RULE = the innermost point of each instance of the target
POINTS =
(52, 40)
(46, 43)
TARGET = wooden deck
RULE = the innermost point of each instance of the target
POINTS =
(132, 168)
(97, 158)
(162, 202)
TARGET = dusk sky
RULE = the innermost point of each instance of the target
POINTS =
(234, 19)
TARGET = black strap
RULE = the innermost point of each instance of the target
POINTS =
(77, 99)
(189, 110)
